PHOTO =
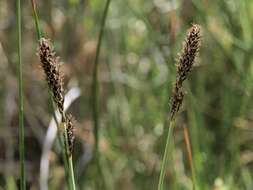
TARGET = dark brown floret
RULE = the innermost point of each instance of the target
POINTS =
(177, 99)
(50, 65)
(70, 132)
(190, 49)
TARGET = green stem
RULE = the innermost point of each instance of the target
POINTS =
(166, 155)
(95, 78)
(194, 181)
(95, 93)
(71, 170)
(21, 103)
(36, 19)
(60, 140)
(68, 156)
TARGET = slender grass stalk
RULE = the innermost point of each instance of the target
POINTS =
(95, 92)
(166, 154)
(67, 158)
(36, 19)
(189, 152)
(71, 170)
(21, 102)
(60, 140)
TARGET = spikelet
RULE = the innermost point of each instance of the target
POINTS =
(50, 65)
(70, 132)
(177, 99)
(190, 49)
(185, 62)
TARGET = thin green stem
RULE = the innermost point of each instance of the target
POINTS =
(36, 19)
(166, 154)
(194, 181)
(95, 84)
(68, 155)
(21, 103)
(95, 92)
(71, 170)
(61, 142)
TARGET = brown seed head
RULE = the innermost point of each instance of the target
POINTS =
(70, 132)
(190, 49)
(185, 62)
(177, 99)
(50, 65)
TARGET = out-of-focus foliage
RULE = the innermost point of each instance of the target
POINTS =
(136, 74)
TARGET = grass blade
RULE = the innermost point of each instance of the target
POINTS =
(21, 102)
(95, 92)
(189, 153)
(36, 19)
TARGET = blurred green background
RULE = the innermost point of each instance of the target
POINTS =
(136, 76)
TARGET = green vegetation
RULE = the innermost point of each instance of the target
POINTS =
(129, 96)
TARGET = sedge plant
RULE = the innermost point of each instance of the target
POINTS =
(50, 64)
(185, 63)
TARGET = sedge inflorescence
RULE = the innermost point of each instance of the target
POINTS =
(51, 66)
(185, 63)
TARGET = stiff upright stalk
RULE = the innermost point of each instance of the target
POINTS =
(71, 170)
(68, 156)
(36, 19)
(21, 103)
(95, 87)
(166, 154)
(95, 92)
